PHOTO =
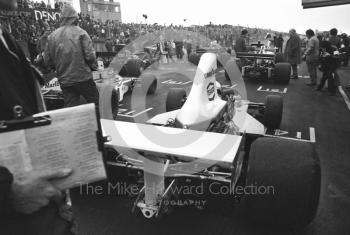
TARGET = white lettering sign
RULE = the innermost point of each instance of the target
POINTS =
(50, 16)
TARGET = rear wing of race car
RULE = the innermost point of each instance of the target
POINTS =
(248, 55)
(164, 142)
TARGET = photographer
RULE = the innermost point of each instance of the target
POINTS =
(329, 60)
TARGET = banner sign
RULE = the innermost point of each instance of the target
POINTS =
(38, 14)
(49, 15)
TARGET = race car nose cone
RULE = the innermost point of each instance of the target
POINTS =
(208, 63)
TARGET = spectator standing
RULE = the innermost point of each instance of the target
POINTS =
(292, 52)
(336, 44)
(346, 49)
(329, 63)
(241, 45)
(70, 51)
(311, 56)
(109, 45)
(279, 42)
(179, 46)
(188, 45)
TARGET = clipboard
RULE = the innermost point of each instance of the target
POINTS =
(64, 138)
(36, 121)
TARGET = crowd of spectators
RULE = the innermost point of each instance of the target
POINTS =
(25, 27)
(29, 4)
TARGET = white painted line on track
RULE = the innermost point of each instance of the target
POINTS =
(299, 135)
(345, 97)
(312, 135)
(303, 76)
(135, 115)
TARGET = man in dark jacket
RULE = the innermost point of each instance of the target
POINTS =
(335, 43)
(346, 49)
(329, 63)
(279, 42)
(178, 47)
(26, 205)
(293, 52)
(70, 51)
(241, 45)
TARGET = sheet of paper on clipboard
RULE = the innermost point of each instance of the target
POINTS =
(68, 142)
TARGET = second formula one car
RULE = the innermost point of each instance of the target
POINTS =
(264, 63)
(214, 141)
(53, 95)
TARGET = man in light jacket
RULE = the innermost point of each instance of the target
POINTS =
(311, 55)
(70, 51)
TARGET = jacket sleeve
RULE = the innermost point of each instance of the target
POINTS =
(46, 56)
(88, 49)
(6, 179)
(310, 47)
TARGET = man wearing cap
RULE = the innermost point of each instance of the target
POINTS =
(70, 51)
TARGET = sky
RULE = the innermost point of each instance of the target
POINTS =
(280, 15)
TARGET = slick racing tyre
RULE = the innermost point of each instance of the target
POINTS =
(132, 68)
(175, 99)
(194, 58)
(287, 176)
(282, 73)
(279, 58)
(149, 83)
(273, 112)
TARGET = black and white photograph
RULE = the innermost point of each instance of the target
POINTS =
(130, 117)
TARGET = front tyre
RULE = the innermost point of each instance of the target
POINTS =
(282, 73)
(175, 99)
(149, 83)
(273, 112)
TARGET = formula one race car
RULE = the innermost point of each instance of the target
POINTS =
(213, 141)
(53, 96)
(133, 64)
(264, 63)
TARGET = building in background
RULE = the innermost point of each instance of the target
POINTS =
(101, 9)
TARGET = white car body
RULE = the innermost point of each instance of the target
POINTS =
(201, 107)
(122, 85)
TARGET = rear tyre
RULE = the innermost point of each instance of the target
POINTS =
(279, 58)
(282, 73)
(132, 68)
(194, 58)
(149, 84)
(273, 112)
(175, 99)
(287, 175)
